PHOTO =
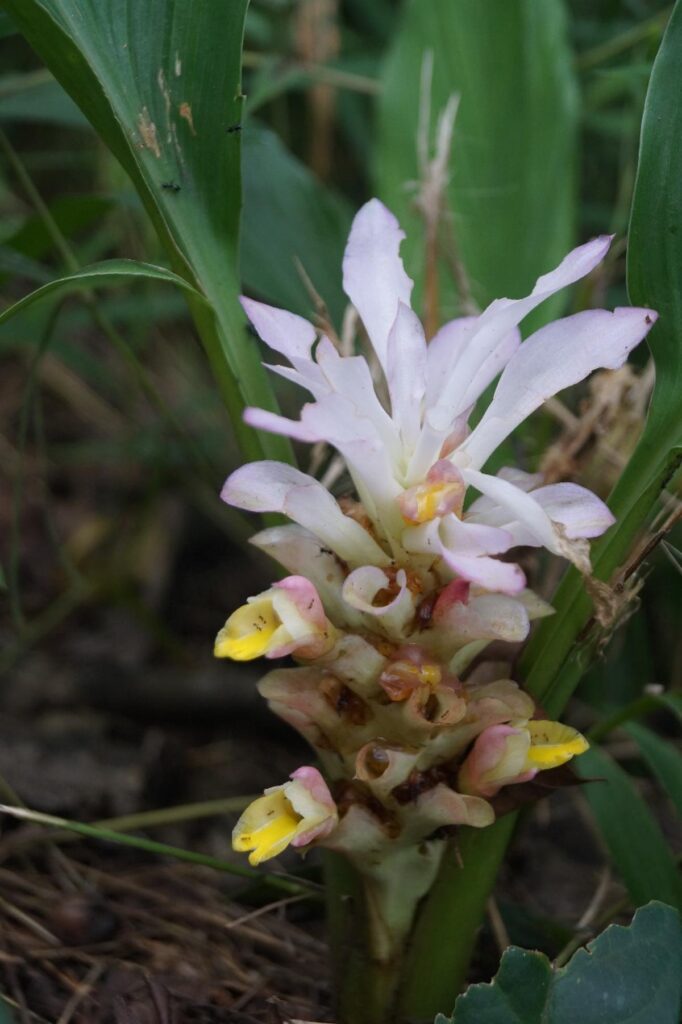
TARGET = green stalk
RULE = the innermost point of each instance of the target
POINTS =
(445, 934)
(371, 913)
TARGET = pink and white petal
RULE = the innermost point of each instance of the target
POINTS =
(490, 368)
(429, 539)
(460, 536)
(486, 617)
(554, 358)
(443, 351)
(490, 573)
(275, 487)
(580, 512)
(350, 377)
(305, 597)
(355, 436)
(285, 332)
(438, 427)
(406, 373)
(491, 513)
(528, 513)
(313, 781)
(309, 376)
(424, 539)
(374, 278)
(503, 315)
(262, 419)
(520, 507)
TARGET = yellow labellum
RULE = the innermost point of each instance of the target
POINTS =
(266, 828)
(553, 744)
(248, 632)
(430, 498)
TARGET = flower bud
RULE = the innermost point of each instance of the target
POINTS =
(506, 754)
(295, 814)
(286, 619)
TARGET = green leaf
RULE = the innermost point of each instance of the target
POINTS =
(664, 760)
(625, 976)
(553, 662)
(109, 272)
(160, 83)
(289, 215)
(636, 844)
(7, 26)
(512, 166)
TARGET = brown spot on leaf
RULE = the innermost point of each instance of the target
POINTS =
(147, 130)
(186, 113)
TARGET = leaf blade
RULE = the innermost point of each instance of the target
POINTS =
(632, 835)
(513, 213)
(98, 274)
(662, 758)
(160, 83)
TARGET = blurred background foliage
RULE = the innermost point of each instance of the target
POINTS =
(113, 438)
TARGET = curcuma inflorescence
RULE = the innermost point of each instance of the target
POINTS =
(395, 591)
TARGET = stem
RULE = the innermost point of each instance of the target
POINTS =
(371, 915)
(447, 926)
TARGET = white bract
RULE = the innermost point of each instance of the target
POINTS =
(412, 459)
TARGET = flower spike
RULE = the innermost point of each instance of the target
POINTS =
(397, 587)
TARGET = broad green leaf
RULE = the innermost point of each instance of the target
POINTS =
(289, 215)
(663, 759)
(109, 272)
(638, 848)
(160, 83)
(625, 976)
(512, 182)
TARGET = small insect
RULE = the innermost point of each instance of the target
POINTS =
(171, 186)
(232, 128)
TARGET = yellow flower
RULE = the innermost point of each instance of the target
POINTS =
(286, 619)
(553, 744)
(507, 754)
(293, 814)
